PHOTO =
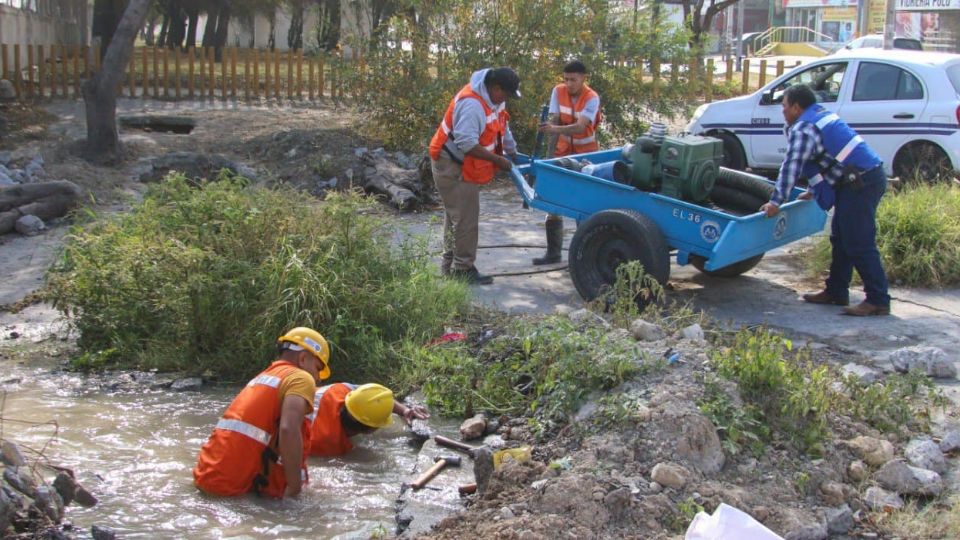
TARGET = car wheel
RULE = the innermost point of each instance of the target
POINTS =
(610, 238)
(921, 162)
(733, 156)
(730, 271)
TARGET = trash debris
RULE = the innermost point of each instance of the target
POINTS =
(520, 455)
(728, 523)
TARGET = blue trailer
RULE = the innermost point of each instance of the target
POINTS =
(618, 222)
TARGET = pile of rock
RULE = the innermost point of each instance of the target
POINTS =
(22, 171)
(29, 505)
(917, 474)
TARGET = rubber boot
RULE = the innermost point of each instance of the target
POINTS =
(554, 243)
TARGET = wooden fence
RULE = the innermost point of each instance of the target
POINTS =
(55, 71)
(157, 73)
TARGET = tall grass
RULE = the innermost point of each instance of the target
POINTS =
(918, 235)
(205, 279)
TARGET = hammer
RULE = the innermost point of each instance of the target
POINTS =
(440, 463)
(456, 445)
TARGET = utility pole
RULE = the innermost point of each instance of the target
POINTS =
(739, 36)
(863, 17)
(890, 24)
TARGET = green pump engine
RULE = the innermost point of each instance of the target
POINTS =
(683, 167)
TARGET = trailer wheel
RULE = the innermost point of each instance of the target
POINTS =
(610, 238)
(730, 271)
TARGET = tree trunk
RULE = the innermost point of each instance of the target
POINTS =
(295, 34)
(272, 38)
(177, 29)
(223, 24)
(210, 29)
(106, 15)
(164, 27)
(148, 32)
(329, 36)
(193, 15)
(100, 91)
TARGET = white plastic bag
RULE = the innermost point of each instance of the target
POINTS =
(728, 523)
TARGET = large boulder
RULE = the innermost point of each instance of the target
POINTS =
(7, 90)
(896, 475)
(691, 436)
(881, 500)
(930, 360)
(925, 454)
(874, 451)
(669, 475)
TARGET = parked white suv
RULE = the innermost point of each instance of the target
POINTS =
(905, 104)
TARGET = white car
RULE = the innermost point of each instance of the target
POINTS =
(905, 104)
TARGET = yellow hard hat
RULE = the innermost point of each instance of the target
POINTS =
(371, 405)
(310, 340)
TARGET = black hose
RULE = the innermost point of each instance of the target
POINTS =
(753, 184)
(735, 201)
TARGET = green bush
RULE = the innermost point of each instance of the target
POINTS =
(898, 402)
(407, 91)
(794, 395)
(206, 278)
(918, 235)
(546, 368)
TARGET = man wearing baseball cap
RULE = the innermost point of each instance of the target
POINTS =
(466, 151)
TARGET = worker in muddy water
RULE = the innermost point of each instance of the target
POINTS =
(574, 115)
(261, 443)
(343, 410)
(470, 144)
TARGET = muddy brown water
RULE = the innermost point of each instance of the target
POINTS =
(135, 451)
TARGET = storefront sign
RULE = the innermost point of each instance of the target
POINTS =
(839, 14)
(878, 14)
(927, 5)
(820, 3)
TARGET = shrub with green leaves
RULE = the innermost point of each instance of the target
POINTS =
(206, 277)
(545, 367)
(408, 88)
(793, 394)
(918, 235)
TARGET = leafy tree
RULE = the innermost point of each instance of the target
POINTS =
(698, 16)
(408, 90)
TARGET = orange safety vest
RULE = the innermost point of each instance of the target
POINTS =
(327, 436)
(586, 140)
(242, 453)
(474, 170)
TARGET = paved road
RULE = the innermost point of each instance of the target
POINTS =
(768, 295)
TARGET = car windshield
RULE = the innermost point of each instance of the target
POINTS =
(953, 73)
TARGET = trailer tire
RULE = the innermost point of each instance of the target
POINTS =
(610, 238)
(729, 271)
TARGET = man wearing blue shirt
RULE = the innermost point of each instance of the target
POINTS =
(836, 161)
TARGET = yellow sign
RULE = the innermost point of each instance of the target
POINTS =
(878, 14)
(839, 15)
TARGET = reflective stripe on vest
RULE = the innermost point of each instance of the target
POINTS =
(244, 428)
(473, 169)
(266, 380)
(327, 436)
(233, 459)
(586, 140)
(839, 141)
(317, 396)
